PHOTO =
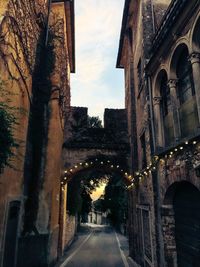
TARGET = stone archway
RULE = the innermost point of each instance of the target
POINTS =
(181, 225)
(187, 225)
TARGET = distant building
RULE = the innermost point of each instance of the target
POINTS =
(160, 52)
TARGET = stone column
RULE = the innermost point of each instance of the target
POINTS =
(195, 62)
(175, 108)
(168, 227)
(158, 121)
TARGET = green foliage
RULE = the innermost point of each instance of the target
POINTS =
(7, 121)
(115, 200)
(94, 122)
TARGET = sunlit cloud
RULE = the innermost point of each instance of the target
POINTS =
(97, 84)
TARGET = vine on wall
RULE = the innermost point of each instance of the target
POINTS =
(7, 122)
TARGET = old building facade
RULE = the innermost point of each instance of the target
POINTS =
(159, 51)
(36, 58)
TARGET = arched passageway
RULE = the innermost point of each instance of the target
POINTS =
(181, 225)
(187, 225)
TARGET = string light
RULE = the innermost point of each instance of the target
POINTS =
(194, 142)
(65, 171)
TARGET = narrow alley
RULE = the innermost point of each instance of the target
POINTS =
(97, 246)
(100, 133)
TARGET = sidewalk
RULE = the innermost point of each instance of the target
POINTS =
(125, 248)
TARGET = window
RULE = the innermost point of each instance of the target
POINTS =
(165, 94)
(185, 79)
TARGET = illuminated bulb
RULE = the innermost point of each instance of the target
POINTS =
(145, 173)
(140, 178)
(166, 156)
(175, 149)
(62, 183)
(63, 189)
(111, 166)
(122, 170)
(108, 161)
(65, 171)
(76, 166)
(171, 153)
(194, 142)
(71, 170)
(170, 156)
(102, 163)
(137, 173)
(86, 164)
(96, 159)
(65, 178)
(130, 177)
(126, 173)
(91, 163)
(81, 163)
(181, 148)
(154, 168)
(117, 166)
(147, 167)
(186, 142)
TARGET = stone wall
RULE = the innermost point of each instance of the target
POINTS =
(70, 229)
(40, 87)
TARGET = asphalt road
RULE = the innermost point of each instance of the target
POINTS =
(102, 247)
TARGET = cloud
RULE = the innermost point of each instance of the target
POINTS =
(98, 24)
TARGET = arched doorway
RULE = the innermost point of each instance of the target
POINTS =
(181, 225)
(186, 205)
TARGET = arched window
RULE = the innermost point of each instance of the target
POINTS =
(165, 96)
(185, 78)
(166, 114)
(188, 114)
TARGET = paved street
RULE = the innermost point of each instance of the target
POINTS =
(101, 247)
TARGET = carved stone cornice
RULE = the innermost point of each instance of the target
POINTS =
(194, 57)
(157, 100)
(172, 83)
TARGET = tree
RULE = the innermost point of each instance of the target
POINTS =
(94, 122)
(115, 201)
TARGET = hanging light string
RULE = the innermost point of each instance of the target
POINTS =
(96, 162)
(139, 175)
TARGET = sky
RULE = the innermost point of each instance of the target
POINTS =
(98, 192)
(97, 84)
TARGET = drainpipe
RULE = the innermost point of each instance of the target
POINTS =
(156, 189)
(151, 113)
(47, 25)
(153, 17)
